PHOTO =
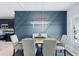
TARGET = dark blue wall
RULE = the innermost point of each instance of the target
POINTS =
(56, 28)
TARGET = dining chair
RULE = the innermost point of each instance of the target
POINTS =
(17, 45)
(61, 45)
(35, 35)
(44, 35)
(49, 47)
(28, 47)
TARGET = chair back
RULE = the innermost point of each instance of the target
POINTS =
(64, 39)
(14, 38)
(49, 47)
(28, 47)
(44, 35)
(35, 35)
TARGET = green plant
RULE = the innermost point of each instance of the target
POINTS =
(40, 37)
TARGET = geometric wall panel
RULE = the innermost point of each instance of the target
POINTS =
(56, 28)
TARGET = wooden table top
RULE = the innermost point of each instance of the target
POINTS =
(39, 40)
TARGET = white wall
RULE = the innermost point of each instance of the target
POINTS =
(71, 14)
(7, 9)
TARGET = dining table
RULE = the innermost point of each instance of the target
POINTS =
(39, 43)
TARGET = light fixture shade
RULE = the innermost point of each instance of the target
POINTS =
(39, 22)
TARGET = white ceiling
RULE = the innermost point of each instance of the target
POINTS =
(7, 9)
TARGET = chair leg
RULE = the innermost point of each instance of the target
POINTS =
(60, 51)
(64, 52)
(13, 52)
(22, 52)
(56, 53)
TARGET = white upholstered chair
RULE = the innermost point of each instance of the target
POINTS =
(44, 35)
(61, 45)
(28, 47)
(16, 44)
(49, 47)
